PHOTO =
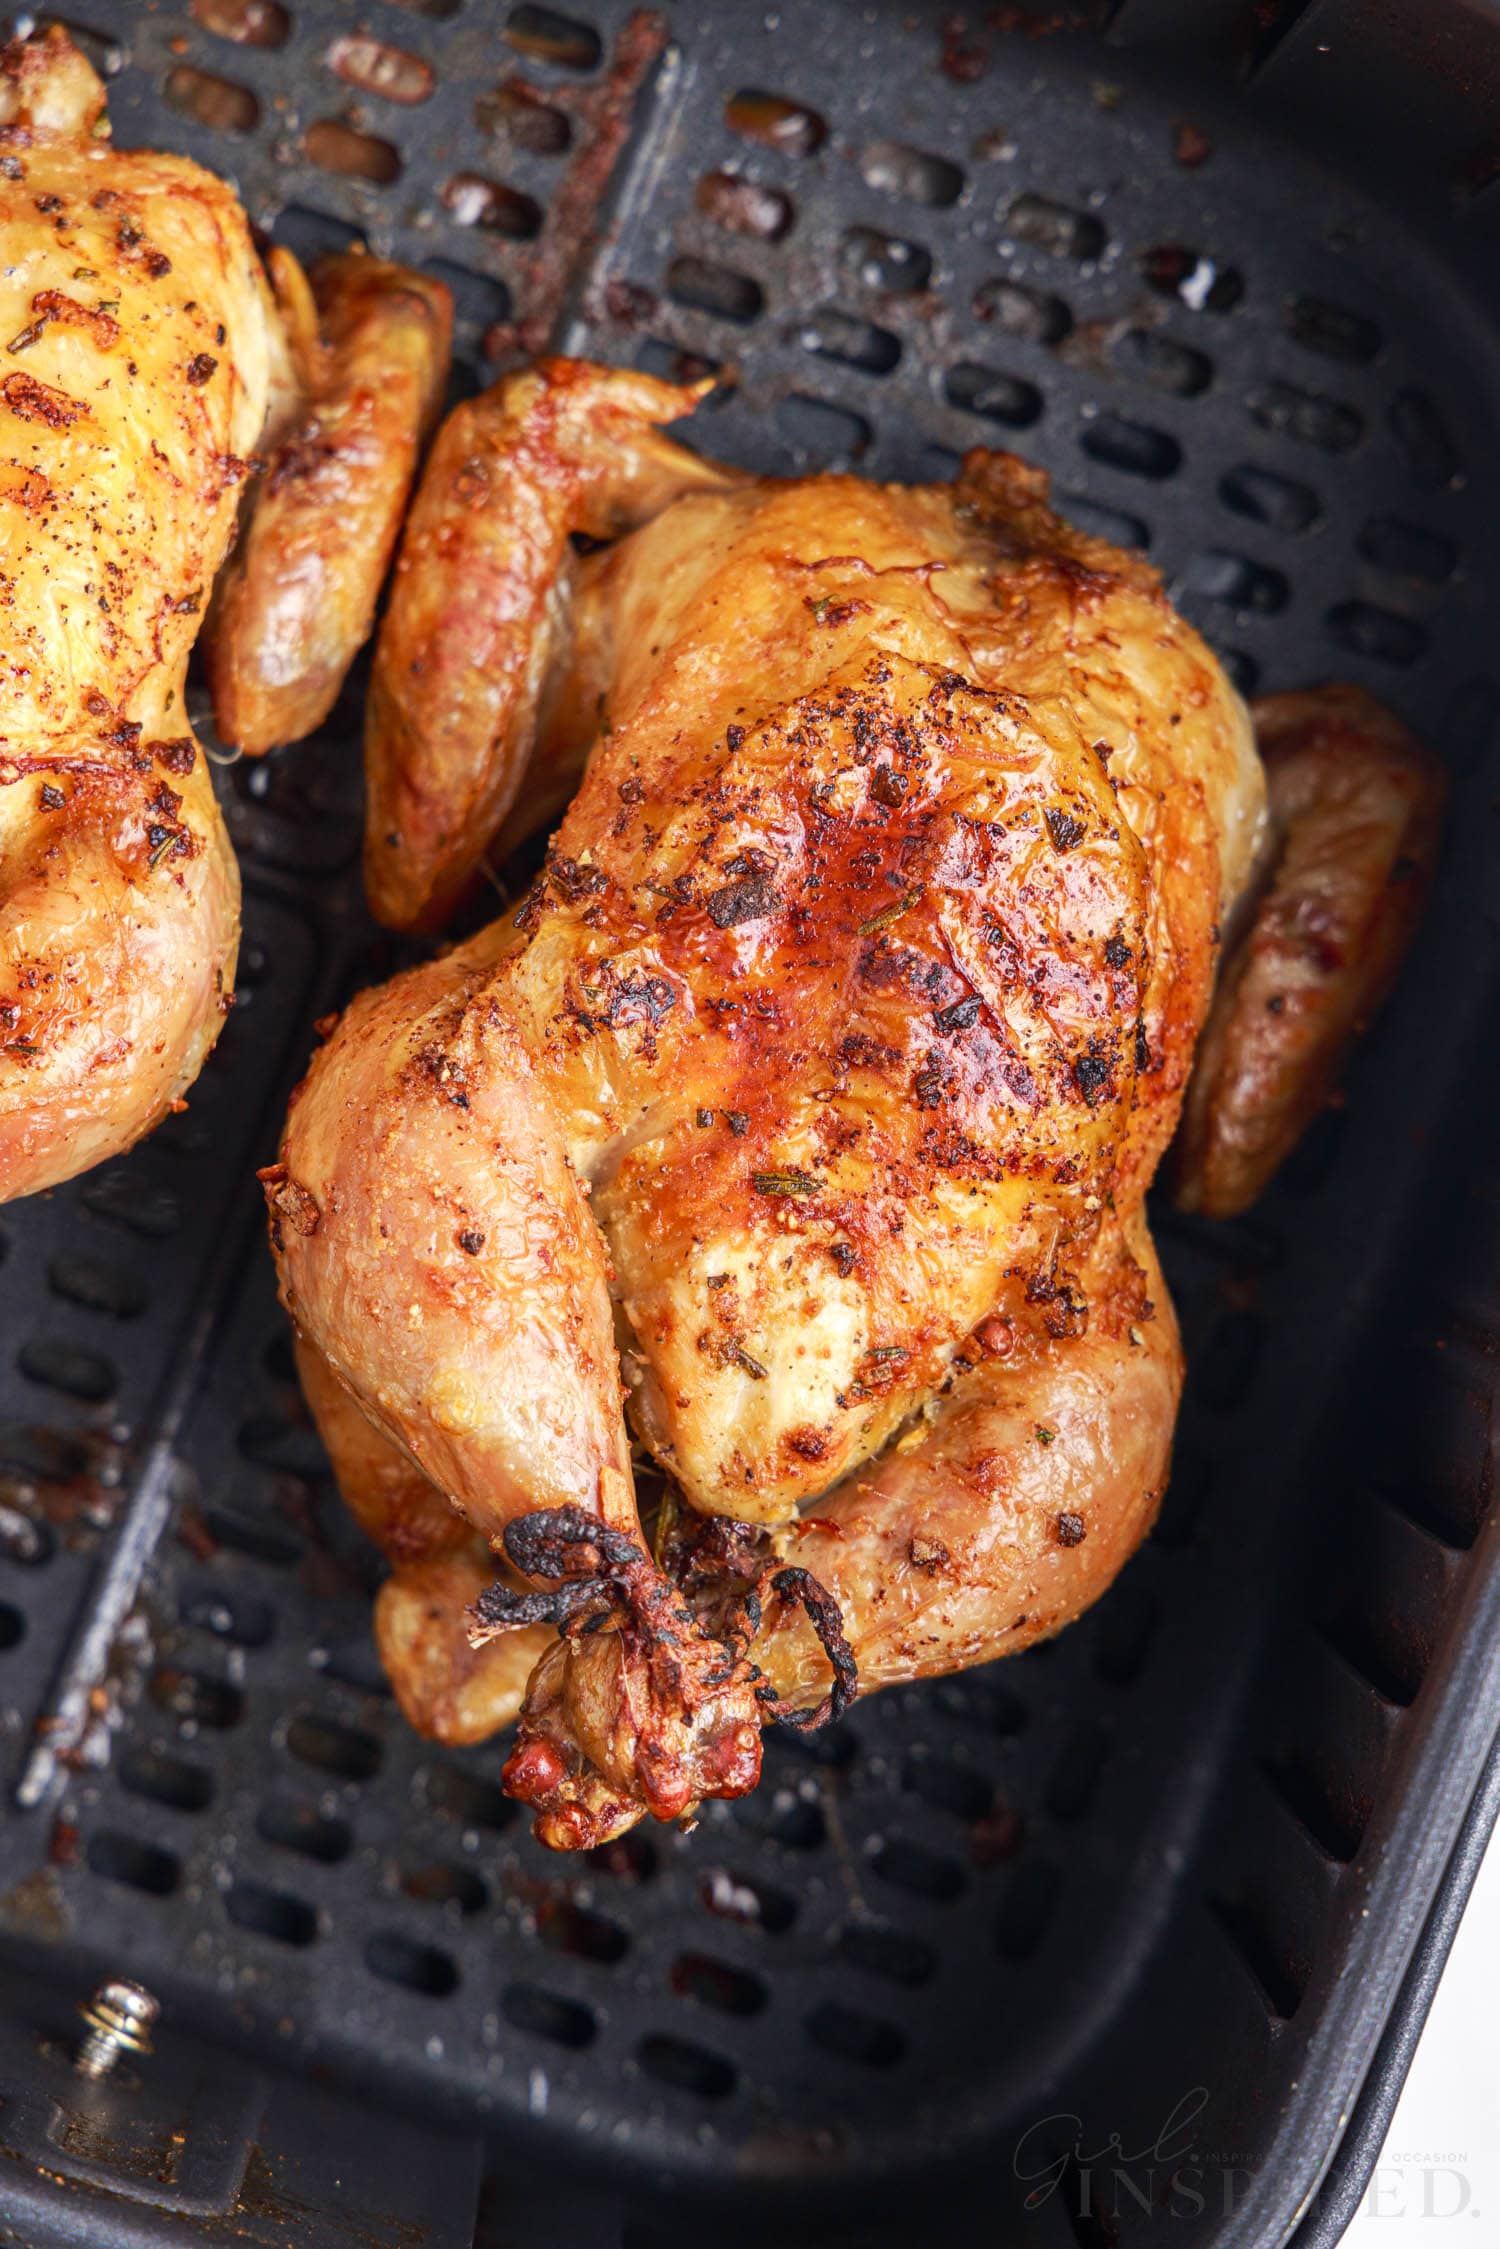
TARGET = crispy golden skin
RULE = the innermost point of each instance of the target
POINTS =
(447, 1687)
(370, 347)
(139, 343)
(827, 1065)
(1356, 812)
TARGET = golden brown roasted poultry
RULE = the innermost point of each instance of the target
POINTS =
(814, 1090)
(147, 358)
(133, 385)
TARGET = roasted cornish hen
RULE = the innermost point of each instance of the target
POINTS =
(147, 358)
(798, 1126)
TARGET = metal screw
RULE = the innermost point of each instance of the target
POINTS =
(119, 2017)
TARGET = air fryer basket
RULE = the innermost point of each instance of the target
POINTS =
(1226, 268)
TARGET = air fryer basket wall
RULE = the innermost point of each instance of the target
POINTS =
(1227, 271)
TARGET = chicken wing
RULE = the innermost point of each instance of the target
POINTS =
(139, 358)
(1356, 810)
(823, 1073)
(370, 346)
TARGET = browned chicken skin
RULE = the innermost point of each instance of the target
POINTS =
(369, 346)
(1356, 809)
(139, 362)
(447, 1687)
(815, 1088)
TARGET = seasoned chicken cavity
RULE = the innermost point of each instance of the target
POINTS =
(136, 373)
(809, 1101)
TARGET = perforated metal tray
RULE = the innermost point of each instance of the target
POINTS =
(1186, 259)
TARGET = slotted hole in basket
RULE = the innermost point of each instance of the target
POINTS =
(440, 1882)
(12, 1627)
(229, 1613)
(125, 1200)
(825, 435)
(686, 2068)
(97, 1285)
(491, 206)
(1118, 525)
(1335, 1825)
(892, 1954)
(1250, 588)
(218, 103)
(49, 1456)
(916, 1870)
(628, 1858)
(1365, 629)
(196, 1699)
(655, 356)
(85, 1375)
(744, 206)
(164, 1779)
(339, 148)
(294, 1826)
(1034, 316)
(344, 1751)
(745, 1898)
(911, 174)
(1280, 502)
(1055, 228)
(465, 1797)
(276, 1914)
(249, 23)
(948, 1786)
(714, 1983)
(374, 66)
(1131, 447)
(1164, 363)
(565, 1926)
(1286, 410)
(546, 2014)
(717, 290)
(1075, 1775)
(775, 122)
(136, 1865)
(547, 36)
(261, 1541)
(887, 262)
(1194, 278)
(854, 2037)
(516, 112)
(997, 396)
(1407, 550)
(1275, 1976)
(1332, 330)
(1026, 1909)
(399, 1959)
(842, 336)
(480, 300)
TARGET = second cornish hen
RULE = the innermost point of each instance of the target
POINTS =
(807, 1105)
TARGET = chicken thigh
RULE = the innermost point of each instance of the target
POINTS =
(808, 1103)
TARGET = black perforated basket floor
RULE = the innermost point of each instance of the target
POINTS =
(1228, 271)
